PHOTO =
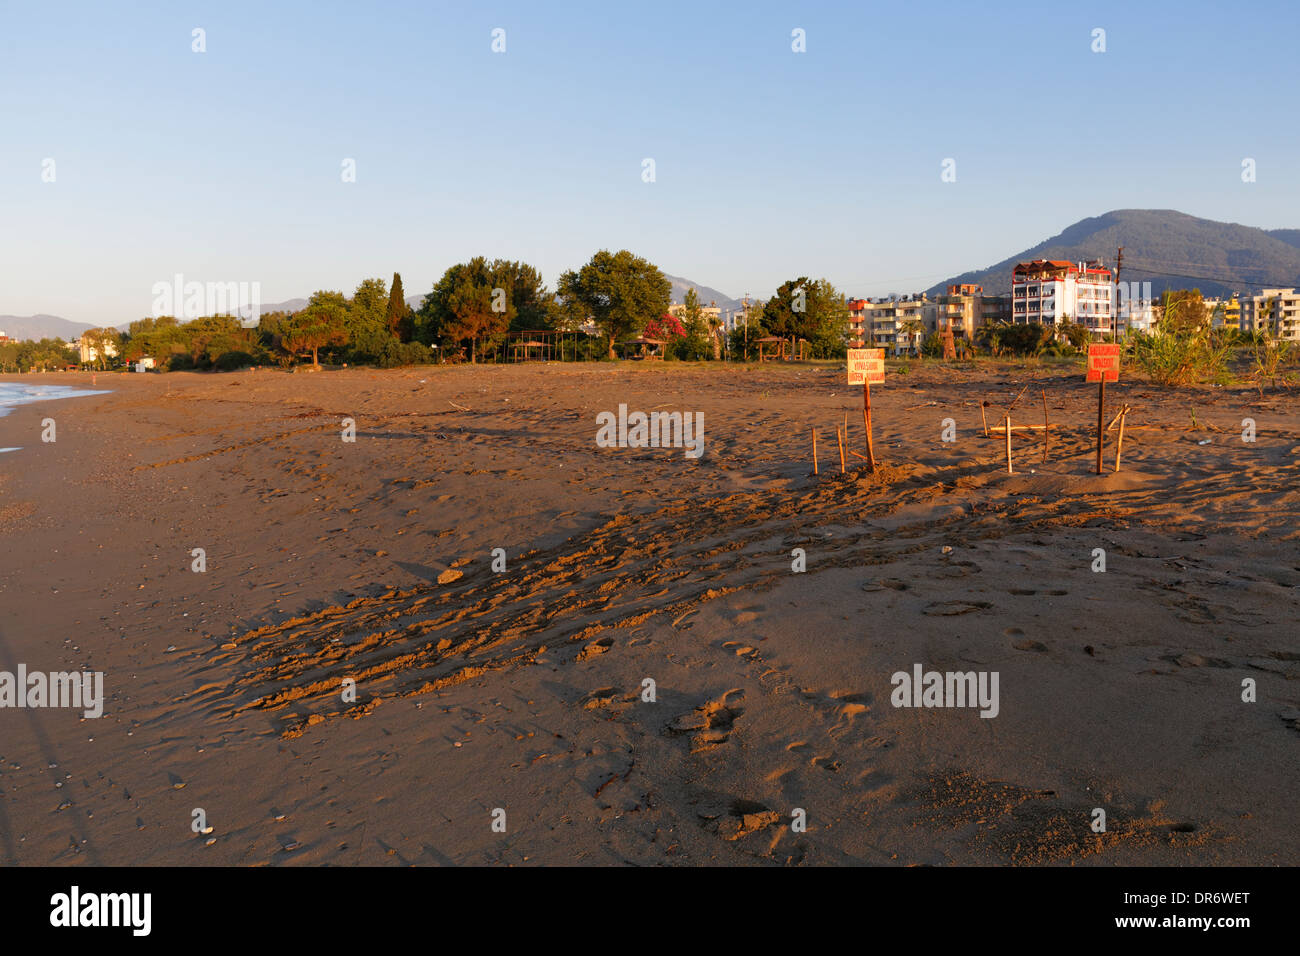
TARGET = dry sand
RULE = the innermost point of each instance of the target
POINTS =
(522, 690)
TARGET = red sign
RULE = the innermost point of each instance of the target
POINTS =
(866, 366)
(1103, 360)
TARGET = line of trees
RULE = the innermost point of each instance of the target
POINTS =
(468, 314)
(45, 355)
(475, 305)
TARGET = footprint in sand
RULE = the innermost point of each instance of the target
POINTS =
(892, 584)
(595, 648)
(953, 608)
(827, 762)
(600, 698)
(711, 723)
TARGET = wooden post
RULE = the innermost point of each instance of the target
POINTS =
(1047, 428)
(1119, 443)
(840, 440)
(984, 419)
(1010, 471)
(814, 431)
(866, 420)
(1101, 405)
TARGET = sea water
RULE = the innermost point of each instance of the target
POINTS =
(13, 393)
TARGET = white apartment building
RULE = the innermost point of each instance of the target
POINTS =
(1274, 311)
(1137, 314)
(1049, 290)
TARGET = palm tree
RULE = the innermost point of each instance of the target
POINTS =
(914, 330)
(715, 336)
(990, 337)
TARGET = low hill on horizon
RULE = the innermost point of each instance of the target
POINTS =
(20, 327)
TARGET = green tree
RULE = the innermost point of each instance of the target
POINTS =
(809, 309)
(400, 325)
(466, 305)
(45, 355)
(1076, 334)
(106, 343)
(619, 291)
(323, 323)
(203, 341)
(695, 345)
(526, 294)
(157, 338)
(367, 321)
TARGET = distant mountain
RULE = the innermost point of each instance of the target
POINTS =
(1169, 249)
(41, 327)
(294, 305)
(707, 295)
(1290, 236)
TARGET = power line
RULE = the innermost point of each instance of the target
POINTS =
(1226, 280)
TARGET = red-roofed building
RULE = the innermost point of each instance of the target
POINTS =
(1050, 291)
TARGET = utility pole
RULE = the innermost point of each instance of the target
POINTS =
(1114, 306)
(746, 355)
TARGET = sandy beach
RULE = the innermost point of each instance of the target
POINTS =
(524, 689)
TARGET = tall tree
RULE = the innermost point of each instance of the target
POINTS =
(785, 313)
(323, 323)
(400, 325)
(367, 320)
(530, 301)
(695, 344)
(621, 292)
(467, 305)
(105, 343)
(811, 309)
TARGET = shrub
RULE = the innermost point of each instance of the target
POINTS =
(1180, 358)
(230, 361)
(397, 354)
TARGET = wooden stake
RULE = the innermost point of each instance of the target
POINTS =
(814, 449)
(1011, 407)
(984, 419)
(1047, 428)
(1010, 471)
(1101, 411)
(1114, 418)
(839, 438)
(866, 420)
(999, 429)
(1119, 443)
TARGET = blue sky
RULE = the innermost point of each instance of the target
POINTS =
(225, 165)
